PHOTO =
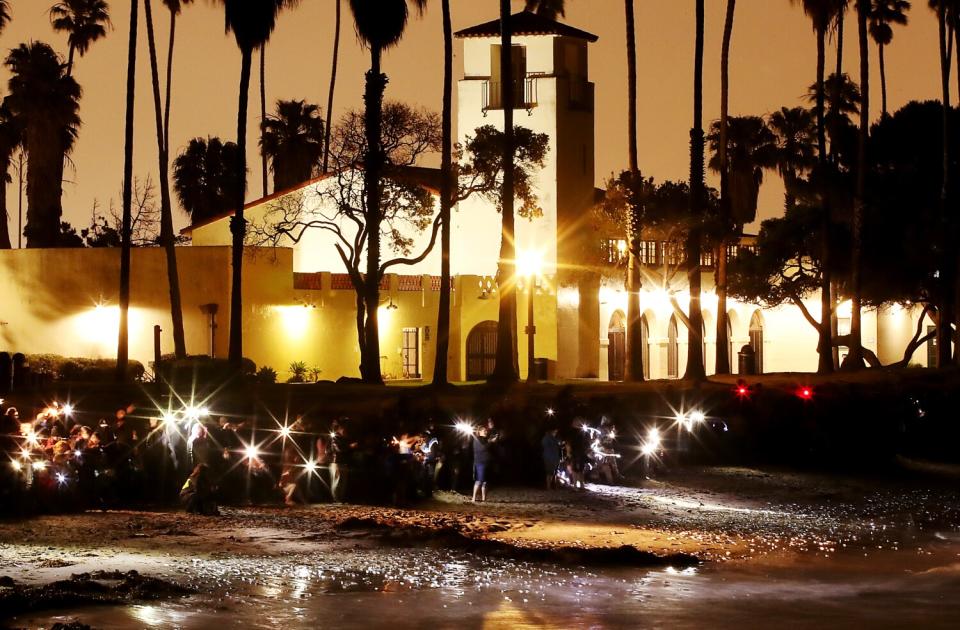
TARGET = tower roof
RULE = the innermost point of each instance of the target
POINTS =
(526, 23)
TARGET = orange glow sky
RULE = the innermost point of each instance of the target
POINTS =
(773, 61)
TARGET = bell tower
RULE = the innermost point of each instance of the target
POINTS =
(553, 95)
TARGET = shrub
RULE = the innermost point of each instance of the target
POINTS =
(267, 375)
(83, 369)
(200, 369)
(298, 371)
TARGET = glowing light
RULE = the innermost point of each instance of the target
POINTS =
(284, 432)
(465, 428)
(333, 434)
(39, 465)
(742, 390)
(169, 419)
(191, 412)
(529, 263)
(77, 453)
(61, 478)
(612, 435)
(310, 466)
(550, 411)
(16, 465)
(68, 410)
(251, 452)
(698, 416)
(806, 393)
(25, 453)
(295, 320)
(652, 445)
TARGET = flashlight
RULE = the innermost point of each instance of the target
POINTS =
(465, 428)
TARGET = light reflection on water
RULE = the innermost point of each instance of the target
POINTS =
(415, 588)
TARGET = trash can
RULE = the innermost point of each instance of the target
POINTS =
(747, 361)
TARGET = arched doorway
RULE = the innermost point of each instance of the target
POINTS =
(756, 339)
(617, 348)
(481, 351)
(673, 349)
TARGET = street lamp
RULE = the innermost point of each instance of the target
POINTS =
(529, 265)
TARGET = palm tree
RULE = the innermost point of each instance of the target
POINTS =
(380, 25)
(883, 15)
(943, 10)
(634, 279)
(446, 201)
(856, 341)
(4, 14)
(264, 170)
(795, 132)
(167, 237)
(11, 135)
(123, 337)
(696, 370)
(205, 178)
(822, 14)
(292, 140)
(722, 363)
(251, 22)
(46, 101)
(751, 149)
(175, 7)
(838, 31)
(333, 86)
(84, 21)
(547, 8)
(842, 103)
(505, 368)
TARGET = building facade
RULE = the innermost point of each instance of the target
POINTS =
(299, 304)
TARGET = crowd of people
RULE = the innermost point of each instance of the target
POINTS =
(59, 459)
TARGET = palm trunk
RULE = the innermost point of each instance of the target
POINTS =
(634, 229)
(856, 339)
(238, 224)
(123, 334)
(944, 329)
(505, 366)
(956, 257)
(333, 85)
(883, 82)
(263, 114)
(840, 19)
(4, 217)
(167, 239)
(723, 339)
(166, 107)
(70, 56)
(695, 361)
(446, 198)
(373, 106)
(825, 343)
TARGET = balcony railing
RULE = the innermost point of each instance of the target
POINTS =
(524, 94)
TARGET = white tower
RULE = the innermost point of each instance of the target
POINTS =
(554, 96)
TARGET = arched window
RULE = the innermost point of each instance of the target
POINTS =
(617, 348)
(481, 351)
(756, 339)
(673, 350)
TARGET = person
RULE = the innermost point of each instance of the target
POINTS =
(550, 445)
(290, 460)
(485, 436)
(432, 452)
(197, 493)
(9, 430)
(577, 454)
(340, 460)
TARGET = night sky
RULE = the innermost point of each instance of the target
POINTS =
(773, 62)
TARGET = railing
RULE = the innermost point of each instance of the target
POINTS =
(524, 94)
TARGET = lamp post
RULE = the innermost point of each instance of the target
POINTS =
(528, 266)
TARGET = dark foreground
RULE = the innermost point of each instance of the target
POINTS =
(719, 547)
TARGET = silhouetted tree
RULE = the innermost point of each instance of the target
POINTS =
(547, 8)
(205, 178)
(292, 140)
(251, 22)
(167, 236)
(795, 132)
(722, 362)
(447, 185)
(883, 15)
(84, 21)
(175, 7)
(46, 102)
(380, 25)
(334, 62)
(126, 229)
(633, 227)
(11, 136)
(4, 14)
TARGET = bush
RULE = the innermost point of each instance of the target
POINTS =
(82, 369)
(298, 371)
(266, 375)
(200, 369)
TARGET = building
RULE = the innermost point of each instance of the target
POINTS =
(299, 304)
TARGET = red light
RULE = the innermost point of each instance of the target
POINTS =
(742, 389)
(806, 393)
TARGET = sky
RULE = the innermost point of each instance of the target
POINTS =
(773, 61)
